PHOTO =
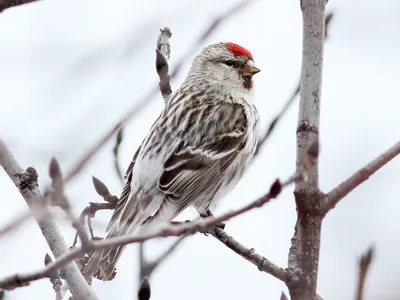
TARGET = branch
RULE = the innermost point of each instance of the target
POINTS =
(118, 141)
(148, 267)
(343, 189)
(263, 264)
(4, 4)
(142, 262)
(55, 280)
(307, 194)
(364, 264)
(163, 53)
(17, 221)
(186, 228)
(58, 198)
(26, 182)
(89, 212)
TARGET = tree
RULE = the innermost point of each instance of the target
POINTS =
(312, 204)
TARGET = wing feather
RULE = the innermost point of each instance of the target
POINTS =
(125, 192)
(197, 165)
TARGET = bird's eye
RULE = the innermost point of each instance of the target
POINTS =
(229, 62)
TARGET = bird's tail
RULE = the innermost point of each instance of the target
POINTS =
(102, 263)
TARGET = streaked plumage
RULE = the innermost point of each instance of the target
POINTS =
(195, 152)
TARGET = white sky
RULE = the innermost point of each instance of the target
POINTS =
(69, 70)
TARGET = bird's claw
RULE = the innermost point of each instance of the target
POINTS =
(221, 225)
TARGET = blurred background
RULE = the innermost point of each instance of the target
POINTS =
(70, 69)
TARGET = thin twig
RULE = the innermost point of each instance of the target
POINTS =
(118, 141)
(55, 280)
(342, 190)
(26, 182)
(263, 264)
(16, 222)
(163, 53)
(59, 199)
(169, 230)
(148, 267)
(4, 4)
(89, 212)
(142, 263)
(363, 267)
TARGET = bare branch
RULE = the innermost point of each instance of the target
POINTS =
(343, 189)
(186, 228)
(263, 264)
(59, 199)
(148, 267)
(89, 212)
(307, 193)
(4, 4)
(55, 280)
(142, 262)
(328, 20)
(16, 222)
(153, 265)
(163, 53)
(364, 264)
(118, 142)
(26, 182)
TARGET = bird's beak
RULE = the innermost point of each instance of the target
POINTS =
(250, 68)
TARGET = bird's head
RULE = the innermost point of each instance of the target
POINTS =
(226, 66)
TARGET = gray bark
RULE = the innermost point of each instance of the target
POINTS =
(307, 193)
(26, 182)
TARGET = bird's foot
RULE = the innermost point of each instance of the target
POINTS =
(209, 214)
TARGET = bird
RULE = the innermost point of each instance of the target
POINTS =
(195, 152)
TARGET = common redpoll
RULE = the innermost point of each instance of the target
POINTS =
(195, 152)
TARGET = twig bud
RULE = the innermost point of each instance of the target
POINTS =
(100, 187)
(144, 290)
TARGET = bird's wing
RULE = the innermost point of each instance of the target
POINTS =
(214, 135)
(125, 192)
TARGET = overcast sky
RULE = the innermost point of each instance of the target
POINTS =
(69, 69)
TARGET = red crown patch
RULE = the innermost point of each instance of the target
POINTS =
(238, 50)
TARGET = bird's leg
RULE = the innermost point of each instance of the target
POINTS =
(208, 214)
